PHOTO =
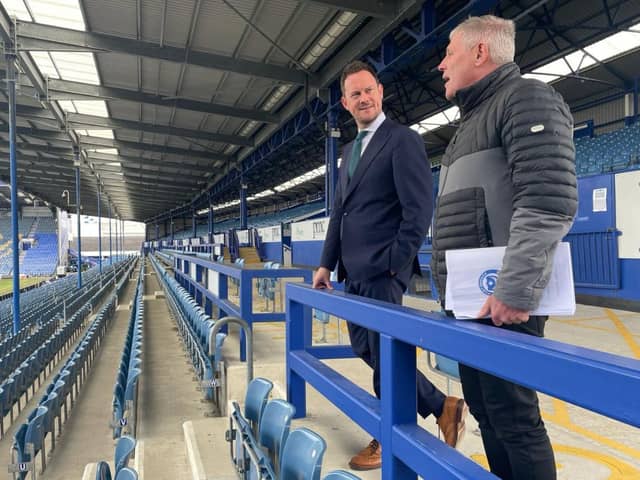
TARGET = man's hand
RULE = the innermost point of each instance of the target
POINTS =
(501, 313)
(321, 278)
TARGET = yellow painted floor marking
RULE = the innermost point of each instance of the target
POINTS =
(619, 470)
(624, 331)
(562, 419)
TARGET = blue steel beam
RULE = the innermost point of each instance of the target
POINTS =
(110, 237)
(11, 85)
(76, 161)
(243, 205)
(99, 229)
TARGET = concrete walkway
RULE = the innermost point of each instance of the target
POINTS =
(86, 437)
(168, 395)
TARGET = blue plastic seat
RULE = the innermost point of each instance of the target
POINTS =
(256, 399)
(124, 449)
(302, 455)
(340, 475)
(274, 428)
(29, 439)
(127, 474)
(103, 472)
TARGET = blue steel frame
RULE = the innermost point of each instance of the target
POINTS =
(244, 310)
(601, 382)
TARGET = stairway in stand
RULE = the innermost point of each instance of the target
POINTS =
(250, 255)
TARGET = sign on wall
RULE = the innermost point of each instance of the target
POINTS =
(270, 234)
(309, 230)
(214, 280)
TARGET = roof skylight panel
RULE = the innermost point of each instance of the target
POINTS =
(18, 9)
(76, 66)
(91, 107)
(61, 13)
(100, 133)
(45, 64)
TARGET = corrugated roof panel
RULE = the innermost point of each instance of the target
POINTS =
(151, 20)
(125, 110)
(233, 88)
(312, 19)
(113, 17)
(179, 14)
(187, 119)
(232, 125)
(159, 77)
(271, 20)
(157, 115)
(199, 82)
(219, 28)
(118, 70)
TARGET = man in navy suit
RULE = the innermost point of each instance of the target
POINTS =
(382, 210)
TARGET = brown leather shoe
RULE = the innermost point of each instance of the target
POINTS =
(452, 420)
(369, 458)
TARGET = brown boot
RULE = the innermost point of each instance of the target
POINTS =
(451, 421)
(369, 458)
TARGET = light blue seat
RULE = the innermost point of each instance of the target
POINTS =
(302, 455)
(340, 475)
(124, 449)
(127, 474)
(274, 428)
(29, 439)
(255, 400)
(103, 472)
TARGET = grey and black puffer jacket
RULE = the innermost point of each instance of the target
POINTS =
(508, 178)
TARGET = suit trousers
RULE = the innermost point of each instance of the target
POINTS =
(366, 343)
(513, 433)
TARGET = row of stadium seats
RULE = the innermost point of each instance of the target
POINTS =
(36, 350)
(42, 257)
(194, 327)
(29, 439)
(125, 390)
(262, 445)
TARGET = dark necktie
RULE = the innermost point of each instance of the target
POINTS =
(356, 150)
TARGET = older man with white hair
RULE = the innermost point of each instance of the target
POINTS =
(508, 179)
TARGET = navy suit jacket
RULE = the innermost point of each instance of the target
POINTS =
(381, 216)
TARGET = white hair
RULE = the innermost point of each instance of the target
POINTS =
(499, 34)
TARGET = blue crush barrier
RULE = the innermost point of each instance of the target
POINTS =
(601, 382)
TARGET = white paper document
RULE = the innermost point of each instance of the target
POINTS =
(472, 275)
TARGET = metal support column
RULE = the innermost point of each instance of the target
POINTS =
(110, 239)
(171, 226)
(157, 232)
(194, 224)
(99, 231)
(11, 86)
(122, 235)
(210, 221)
(243, 205)
(76, 163)
(115, 220)
(331, 154)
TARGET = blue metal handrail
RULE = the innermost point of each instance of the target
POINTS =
(601, 382)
